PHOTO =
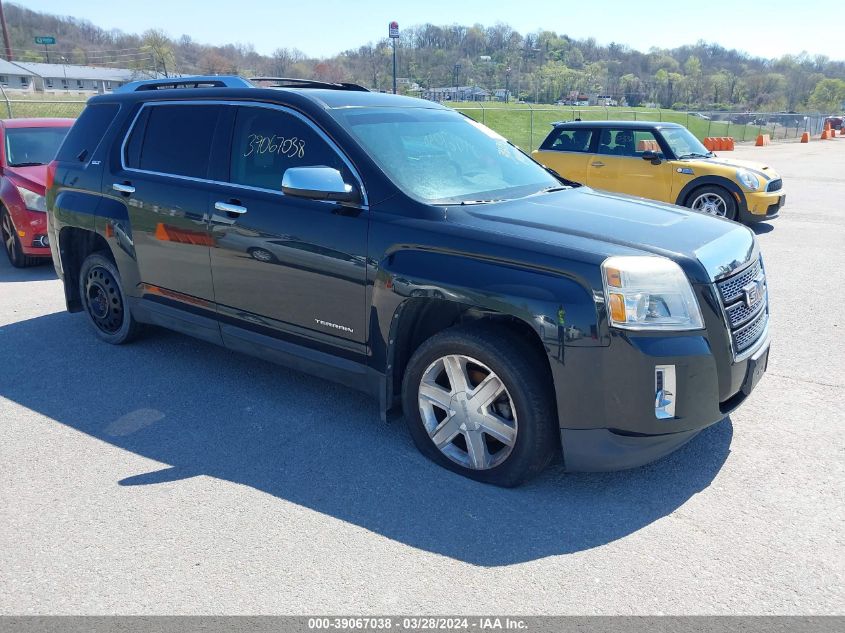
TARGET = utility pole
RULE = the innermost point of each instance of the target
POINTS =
(5, 33)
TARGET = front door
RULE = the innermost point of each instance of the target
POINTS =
(283, 266)
(618, 165)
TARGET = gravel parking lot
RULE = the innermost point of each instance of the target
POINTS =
(172, 476)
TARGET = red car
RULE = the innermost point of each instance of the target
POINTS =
(26, 147)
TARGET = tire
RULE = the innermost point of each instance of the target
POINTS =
(104, 302)
(522, 417)
(12, 244)
(713, 200)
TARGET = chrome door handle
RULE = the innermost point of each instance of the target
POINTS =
(123, 188)
(228, 207)
(598, 163)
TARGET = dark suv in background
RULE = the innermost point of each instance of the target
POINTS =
(400, 248)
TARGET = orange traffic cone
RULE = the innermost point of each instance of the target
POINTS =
(161, 233)
(805, 137)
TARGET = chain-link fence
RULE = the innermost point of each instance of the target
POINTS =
(527, 125)
(40, 106)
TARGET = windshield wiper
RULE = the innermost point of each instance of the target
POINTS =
(695, 155)
(25, 164)
(556, 188)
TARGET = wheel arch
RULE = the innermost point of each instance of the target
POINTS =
(718, 181)
(75, 245)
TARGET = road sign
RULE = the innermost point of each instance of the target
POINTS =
(393, 30)
(45, 39)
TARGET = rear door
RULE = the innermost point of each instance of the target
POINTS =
(283, 266)
(161, 177)
(567, 151)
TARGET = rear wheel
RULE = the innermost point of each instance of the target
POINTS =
(713, 200)
(478, 401)
(12, 244)
(104, 302)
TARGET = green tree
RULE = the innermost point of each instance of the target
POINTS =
(828, 95)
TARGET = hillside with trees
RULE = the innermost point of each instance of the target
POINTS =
(541, 67)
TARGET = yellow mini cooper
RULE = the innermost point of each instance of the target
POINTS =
(662, 161)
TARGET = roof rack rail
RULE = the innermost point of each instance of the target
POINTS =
(291, 82)
(194, 81)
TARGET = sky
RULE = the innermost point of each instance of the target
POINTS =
(321, 28)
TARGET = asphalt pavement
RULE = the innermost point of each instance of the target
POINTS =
(173, 476)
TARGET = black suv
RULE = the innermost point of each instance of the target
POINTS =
(398, 247)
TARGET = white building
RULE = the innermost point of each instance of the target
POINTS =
(58, 78)
(13, 77)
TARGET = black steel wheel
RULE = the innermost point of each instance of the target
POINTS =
(104, 301)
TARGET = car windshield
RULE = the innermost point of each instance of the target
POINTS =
(442, 157)
(683, 144)
(27, 146)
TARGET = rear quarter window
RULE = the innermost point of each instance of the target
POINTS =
(87, 132)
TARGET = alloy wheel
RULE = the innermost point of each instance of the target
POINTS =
(7, 232)
(467, 411)
(711, 203)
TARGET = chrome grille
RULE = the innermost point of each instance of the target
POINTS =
(775, 185)
(731, 288)
(746, 336)
(745, 300)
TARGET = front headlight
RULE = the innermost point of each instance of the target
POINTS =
(32, 200)
(649, 293)
(748, 179)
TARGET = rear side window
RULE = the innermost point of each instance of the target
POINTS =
(173, 139)
(87, 132)
(562, 140)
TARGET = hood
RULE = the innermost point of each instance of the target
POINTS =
(761, 169)
(33, 178)
(610, 224)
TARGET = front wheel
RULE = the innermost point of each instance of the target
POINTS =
(104, 302)
(478, 401)
(12, 244)
(713, 200)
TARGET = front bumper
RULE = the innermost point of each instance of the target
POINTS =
(33, 225)
(612, 424)
(763, 205)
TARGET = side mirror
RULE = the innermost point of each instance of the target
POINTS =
(317, 183)
(652, 157)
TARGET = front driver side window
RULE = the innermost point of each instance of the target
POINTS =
(267, 142)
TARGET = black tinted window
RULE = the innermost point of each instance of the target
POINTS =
(87, 132)
(569, 140)
(266, 142)
(177, 140)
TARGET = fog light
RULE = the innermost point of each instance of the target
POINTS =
(664, 391)
(41, 241)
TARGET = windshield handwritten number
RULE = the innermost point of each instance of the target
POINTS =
(290, 147)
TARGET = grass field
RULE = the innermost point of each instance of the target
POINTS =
(527, 126)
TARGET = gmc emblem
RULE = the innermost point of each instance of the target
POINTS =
(753, 292)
